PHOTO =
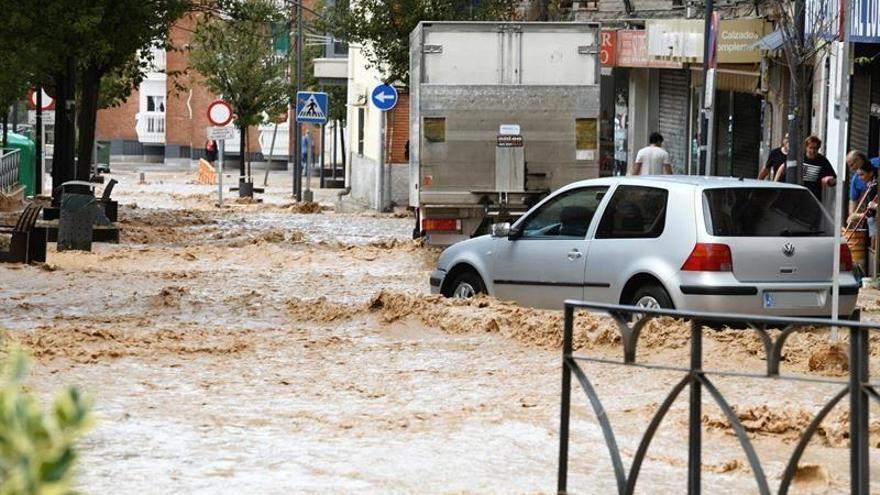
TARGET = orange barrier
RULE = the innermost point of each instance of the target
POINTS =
(207, 174)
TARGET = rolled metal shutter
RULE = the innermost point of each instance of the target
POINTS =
(859, 124)
(747, 115)
(673, 118)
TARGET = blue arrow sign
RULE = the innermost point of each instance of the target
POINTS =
(384, 97)
(311, 107)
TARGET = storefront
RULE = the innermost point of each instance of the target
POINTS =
(640, 95)
(864, 130)
(739, 107)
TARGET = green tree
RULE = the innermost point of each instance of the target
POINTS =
(236, 56)
(382, 27)
(122, 60)
(75, 44)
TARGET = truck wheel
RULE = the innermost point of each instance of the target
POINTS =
(466, 285)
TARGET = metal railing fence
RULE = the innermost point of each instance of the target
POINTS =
(10, 161)
(697, 379)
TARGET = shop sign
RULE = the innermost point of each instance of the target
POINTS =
(864, 24)
(632, 51)
(508, 141)
(682, 40)
(608, 48)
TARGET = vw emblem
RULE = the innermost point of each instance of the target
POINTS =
(788, 249)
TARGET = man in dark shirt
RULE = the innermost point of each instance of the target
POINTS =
(774, 160)
(818, 172)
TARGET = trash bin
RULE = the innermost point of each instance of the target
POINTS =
(76, 225)
(102, 157)
(26, 168)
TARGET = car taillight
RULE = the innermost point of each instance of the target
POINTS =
(441, 224)
(846, 263)
(709, 258)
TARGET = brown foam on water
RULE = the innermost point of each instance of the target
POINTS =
(811, 475)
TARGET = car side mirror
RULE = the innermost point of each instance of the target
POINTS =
(500, 229)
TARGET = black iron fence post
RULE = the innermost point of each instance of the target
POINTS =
(858, 419)
(568, 330)
(695, 426)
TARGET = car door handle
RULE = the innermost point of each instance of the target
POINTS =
(574, 254)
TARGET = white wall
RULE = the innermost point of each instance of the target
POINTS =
(363, 168)
(832, 144)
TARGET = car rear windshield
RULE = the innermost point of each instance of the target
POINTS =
(764, 212)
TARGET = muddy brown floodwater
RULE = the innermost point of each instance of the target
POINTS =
(273, 348)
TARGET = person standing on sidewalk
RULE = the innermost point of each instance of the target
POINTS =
(306, 149)
(774, 160)
(653, 159)
(857, 187)
(818, 172)
(211, 151)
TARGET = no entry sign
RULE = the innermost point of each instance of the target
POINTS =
(219, 113)
(48, 102)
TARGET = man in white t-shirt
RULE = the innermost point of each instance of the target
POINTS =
(653, 159)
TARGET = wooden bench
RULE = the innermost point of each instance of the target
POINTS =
(110, 207)
(28, 242)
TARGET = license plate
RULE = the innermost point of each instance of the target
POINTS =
(792, 299)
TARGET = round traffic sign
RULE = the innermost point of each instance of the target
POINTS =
(219, 113)
(48, 102)
(384, 97)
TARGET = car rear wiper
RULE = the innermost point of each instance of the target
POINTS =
(801, 233)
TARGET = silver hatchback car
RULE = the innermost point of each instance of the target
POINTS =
(691, 243)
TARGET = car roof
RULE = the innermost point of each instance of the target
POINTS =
(683, 181)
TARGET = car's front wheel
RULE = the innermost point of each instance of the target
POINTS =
(465, 285)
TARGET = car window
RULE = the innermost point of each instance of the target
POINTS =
(764, 212)
(634, 212)
(566, 216)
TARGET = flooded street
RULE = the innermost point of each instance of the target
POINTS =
(261, 349)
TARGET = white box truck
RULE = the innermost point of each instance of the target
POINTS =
(500, 115)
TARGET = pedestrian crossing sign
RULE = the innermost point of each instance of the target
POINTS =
(311, 107)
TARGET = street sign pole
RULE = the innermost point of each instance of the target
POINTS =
(308, 197)
(383, 185)
(311, 108)
(220, 173)
(384, 98)
(38, 136)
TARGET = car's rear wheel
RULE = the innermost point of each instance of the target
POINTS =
(650, 297)
(466, 285)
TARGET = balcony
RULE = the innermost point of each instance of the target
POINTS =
(151, 127)
(158, 64)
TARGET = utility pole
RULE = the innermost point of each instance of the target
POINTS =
(708, 111)
(843, 82)
(297, 134)
(793, 173)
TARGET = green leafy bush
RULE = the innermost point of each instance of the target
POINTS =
(37, 448)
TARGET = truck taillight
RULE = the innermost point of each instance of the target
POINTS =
(846, 262)
(709, 258)
(441, 224)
